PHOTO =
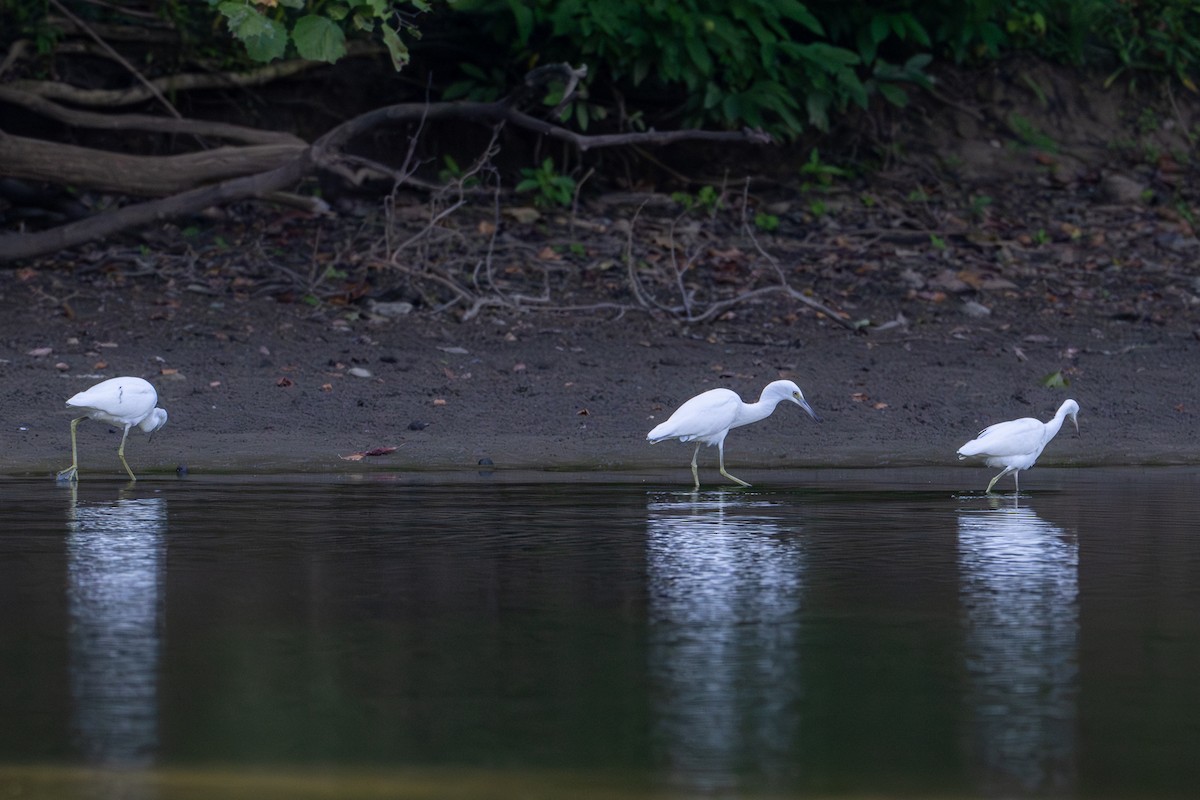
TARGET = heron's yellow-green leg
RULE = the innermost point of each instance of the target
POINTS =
(721, 451)
(1003, 472)
(121, 455)
(71, 473)
(695, 469)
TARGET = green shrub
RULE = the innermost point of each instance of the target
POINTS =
(315, 29)
(758, 63)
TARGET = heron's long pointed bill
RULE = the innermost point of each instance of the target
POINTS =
(804, 404)
(1075, 422)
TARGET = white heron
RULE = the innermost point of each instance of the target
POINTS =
(1016, 444)
(122, 403)
(708, 417)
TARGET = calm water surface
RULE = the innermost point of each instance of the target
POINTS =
(827, 633)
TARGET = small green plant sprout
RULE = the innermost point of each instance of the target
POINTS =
(1041, 237)
(822, 175)
(818, 208)
(452, 172)
(980, 204)
(684, 199)
(766, 222)
(1029, 135)
(1185, 211)
(709, 199)
(1147, 121)
(552, 188)
(937, 242)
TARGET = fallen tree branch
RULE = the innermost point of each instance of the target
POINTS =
(143, 122)
(35, 159)
(27, 245)
(322, 154)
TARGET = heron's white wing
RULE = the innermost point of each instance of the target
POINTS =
(117, 401)
(705, 416)
(1013, 438)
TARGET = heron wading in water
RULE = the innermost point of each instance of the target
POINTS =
(708, 417)
(122, 403)
(1016, 444)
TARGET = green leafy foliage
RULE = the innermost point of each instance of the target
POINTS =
(766, 222)
(265, 38)
(782, 65)
(708, 198)
(550, 187)
(317, 30)
(319, 38)
(758, 63)
(819, 174)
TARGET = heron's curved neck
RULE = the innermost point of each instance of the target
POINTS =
(753, 412)
(1054, 425)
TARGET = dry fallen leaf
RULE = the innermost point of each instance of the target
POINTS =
(40, 352)
(326, 387)
(524, 214)
(284, 382)
(437, 401)
(378, 451)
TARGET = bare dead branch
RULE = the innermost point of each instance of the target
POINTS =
(188, 81)
(785, 287)
(144, 122)
(14, 54)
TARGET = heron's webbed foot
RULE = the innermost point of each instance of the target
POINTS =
(70, 474)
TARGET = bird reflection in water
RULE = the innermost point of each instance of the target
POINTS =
(1020, 600)
(726, 585)
(116, 551)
